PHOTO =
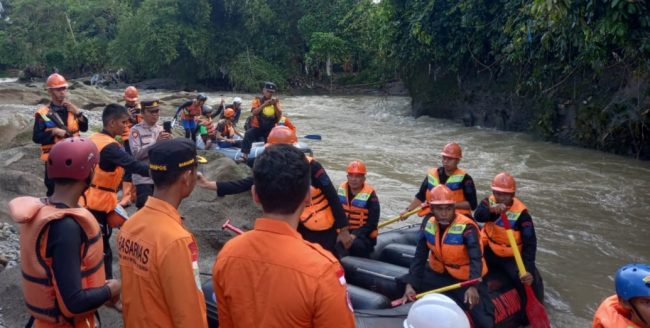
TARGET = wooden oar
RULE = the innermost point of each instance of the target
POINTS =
(399, 217)
(466, 283)
(535, 311)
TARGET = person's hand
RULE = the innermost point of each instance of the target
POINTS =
(115, 287)
(164, 136)
(70, 107)
(409, 294)
(527, 279)
(57, 132)
(204, 183)
(345, 238)
(498, 208)
(471, 297)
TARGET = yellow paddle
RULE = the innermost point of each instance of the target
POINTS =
(399, 217)
(398, 302)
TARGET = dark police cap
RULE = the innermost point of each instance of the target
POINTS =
(270, 86)
(150, 103)
(172, 155)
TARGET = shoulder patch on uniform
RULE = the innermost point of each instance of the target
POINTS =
(135, 133)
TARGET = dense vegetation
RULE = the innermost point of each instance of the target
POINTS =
(592, 56)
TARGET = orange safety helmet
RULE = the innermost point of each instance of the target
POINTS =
(452, 150)
(441, 195)
(357, 167)
(281, 135)
(131, 94)
(56, 81)
(504, 182)
(228, 113)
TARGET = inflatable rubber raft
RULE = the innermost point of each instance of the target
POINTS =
(374, 282)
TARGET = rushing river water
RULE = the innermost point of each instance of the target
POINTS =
(590, 209)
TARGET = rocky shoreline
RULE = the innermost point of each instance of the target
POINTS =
(21, 174)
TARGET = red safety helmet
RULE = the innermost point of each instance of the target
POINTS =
(441, 195)
(281, 135)
(72, 158)
(357, 167)
(452, 150)
(131, 94)
(504, 182)
(228, 113)
(56, 81)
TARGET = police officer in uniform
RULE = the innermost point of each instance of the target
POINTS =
(144, 135)
(158, 255)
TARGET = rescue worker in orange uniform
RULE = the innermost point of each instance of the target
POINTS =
(271, 276)
(158, 255)
(207, 129)
(449, 251)
(456, 179)
(266, 113)
(131, 97)
(61, 254)
(143, 136)
(190, 112)
(59, 120)
(498, 253)
(630, 307)
(361, 206)
(226, 131)
(323, 221)
(101, 197)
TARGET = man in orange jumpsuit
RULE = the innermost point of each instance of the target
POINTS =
(158, 256)
(270, 276)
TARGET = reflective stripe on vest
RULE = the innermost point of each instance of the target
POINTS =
(356, 209)
(450, 254)
(41, 295)
(102, 194)
(72, 124)
(494, 233)
(454, 183)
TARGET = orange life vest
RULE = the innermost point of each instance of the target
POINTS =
(356, 207)
(191, 111)
(611, 315)
(102, 194)
(494, 233)
(448, 252)
(135, 114)
(41, 293)
(454, 183)
(285, 121)
(317, 216)
(72, 124)
(207, 123)
(269, 116)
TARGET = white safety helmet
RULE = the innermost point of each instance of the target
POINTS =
(237, 100)
(436, 311)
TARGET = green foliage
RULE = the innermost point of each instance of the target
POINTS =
(249, 72)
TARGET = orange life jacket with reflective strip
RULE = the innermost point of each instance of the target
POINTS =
(41, 293)
(318, 215)
(355, 208)
(494, 233)
(268, 117)
(454, 183)
(102, 194)
(610, 314)
(72, 124)
(135, 117)
(448, 252)
(191, 111)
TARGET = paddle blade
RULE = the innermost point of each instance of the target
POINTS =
(313, 137)
(537, 317)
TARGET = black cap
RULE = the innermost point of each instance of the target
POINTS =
(270, 86)
(172, 155)
(150, 103)
(201, 97)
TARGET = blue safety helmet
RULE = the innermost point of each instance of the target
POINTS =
(633, 280)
